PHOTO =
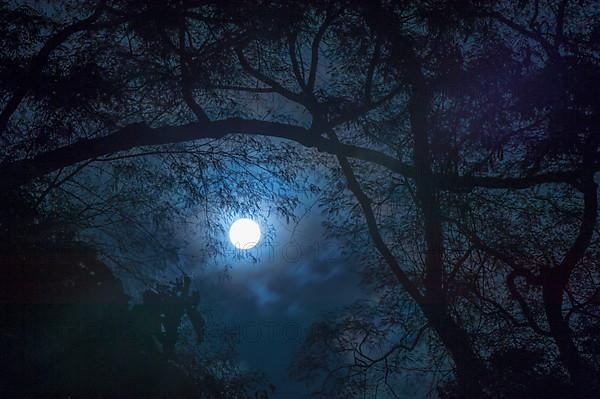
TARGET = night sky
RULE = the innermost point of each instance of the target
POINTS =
(268, 296)
(424, 175)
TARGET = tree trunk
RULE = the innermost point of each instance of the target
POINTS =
(469, 367)
(555, 281)
(553, 295)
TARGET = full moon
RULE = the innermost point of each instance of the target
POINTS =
(244, 234)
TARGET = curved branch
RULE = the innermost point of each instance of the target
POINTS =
(296, 68)
(383, 249)
(17, 173)
(586, 230)
(256, 74)
(512, 287)
(186, 84)
(314, 61)
(536, 36)
(503, 256)
(39, 61)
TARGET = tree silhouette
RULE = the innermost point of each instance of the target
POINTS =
(463, 138)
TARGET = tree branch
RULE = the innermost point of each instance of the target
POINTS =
(186, 84)
(20, 172)
(39, 61)
(277, 87)
(131, 136)
(586, 230)
(385, 252)
(314, 61)
(298, 72)
(525, 309)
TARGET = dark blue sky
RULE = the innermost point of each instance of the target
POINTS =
(298, 278)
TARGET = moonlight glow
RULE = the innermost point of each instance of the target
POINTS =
(244, 233)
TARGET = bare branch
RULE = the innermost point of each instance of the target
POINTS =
(383, 249)
(276, 86)
(296, 66)
(186, 84)
(39, 61)
(314, 61)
